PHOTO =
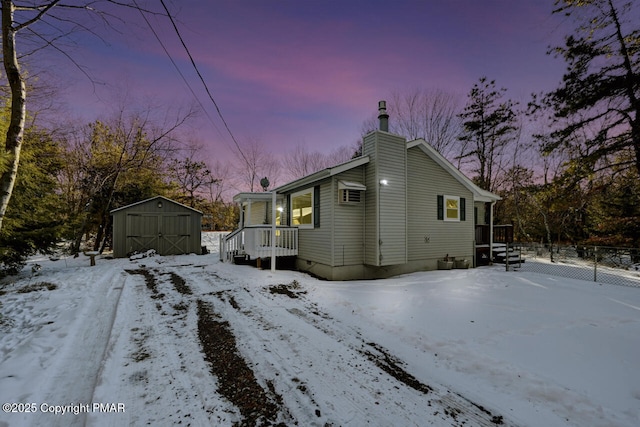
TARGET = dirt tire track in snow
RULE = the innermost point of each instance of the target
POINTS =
(175, 315)
(237, 382)
(455, 405)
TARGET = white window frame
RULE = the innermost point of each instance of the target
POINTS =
(297, 194)
(446, 216)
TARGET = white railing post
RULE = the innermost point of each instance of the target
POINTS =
(273, 231)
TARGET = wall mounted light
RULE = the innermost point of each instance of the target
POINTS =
(384, 182)
(159, 205)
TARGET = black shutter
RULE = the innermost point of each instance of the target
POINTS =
(288, 209)
(316, 206)
(463, 209)
(440, 207)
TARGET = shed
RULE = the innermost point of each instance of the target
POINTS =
(168, 227)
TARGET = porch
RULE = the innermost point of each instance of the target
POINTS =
(501, 234)
(494, 250)
(255, 241)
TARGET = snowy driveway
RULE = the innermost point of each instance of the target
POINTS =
(187, 340)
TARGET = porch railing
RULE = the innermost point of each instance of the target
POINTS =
(501, 234)
(255, 241)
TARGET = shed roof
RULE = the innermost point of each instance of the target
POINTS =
(155, 198)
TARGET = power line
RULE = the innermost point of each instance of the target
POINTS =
(195, 67)
(175, 66)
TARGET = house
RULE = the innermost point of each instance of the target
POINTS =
(398, 208)
(158, 223)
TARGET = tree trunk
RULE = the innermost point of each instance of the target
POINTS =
(15, 133)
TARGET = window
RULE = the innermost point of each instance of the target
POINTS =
(451, 208)
(302, 209)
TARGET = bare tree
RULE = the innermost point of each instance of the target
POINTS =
(302, 162)
(254, 163)
(58, 20)
(430, 114)
(124, 152)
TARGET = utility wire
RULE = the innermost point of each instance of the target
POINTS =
(195, 67)
(175, 66)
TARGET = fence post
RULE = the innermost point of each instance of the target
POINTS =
(595, 263)
(506, 255)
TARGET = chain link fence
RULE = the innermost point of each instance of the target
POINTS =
(615, 266)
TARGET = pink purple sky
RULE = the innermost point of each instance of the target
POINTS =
(288, 72)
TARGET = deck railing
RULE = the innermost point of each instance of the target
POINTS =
(501, 234)
(255, 241)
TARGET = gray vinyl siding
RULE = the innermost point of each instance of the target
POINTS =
(138, 227)
(430, 238)
(315, 244)
(393, 199)
(371, 201)
(348, 230)
(386, 221)
(259, 215)
(481, 207)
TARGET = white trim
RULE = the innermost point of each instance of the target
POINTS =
(323, 174)
(346, 185)
(446, 216)
(479, 194)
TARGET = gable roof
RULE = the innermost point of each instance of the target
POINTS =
(154, 198)
(325, 173)
(479, 194)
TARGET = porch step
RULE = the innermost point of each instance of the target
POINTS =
(500, 256)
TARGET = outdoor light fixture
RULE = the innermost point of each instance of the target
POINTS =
(159, 205)
(384, 182)
(280, 209)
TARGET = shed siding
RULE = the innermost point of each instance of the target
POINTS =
(171, 229)
(430, 238)
(348, 230)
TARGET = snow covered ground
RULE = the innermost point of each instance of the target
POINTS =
(191, 341)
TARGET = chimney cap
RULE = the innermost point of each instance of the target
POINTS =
(383, 117)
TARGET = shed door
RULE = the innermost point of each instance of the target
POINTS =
(168, 234)
(142, 232)
(175, 234)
